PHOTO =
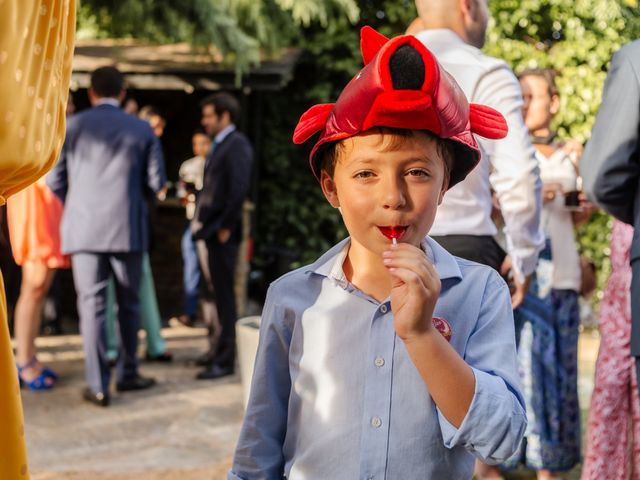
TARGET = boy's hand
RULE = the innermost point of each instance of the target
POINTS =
(415, 287)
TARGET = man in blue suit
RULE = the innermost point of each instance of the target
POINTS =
(108, 162)
(217, 228)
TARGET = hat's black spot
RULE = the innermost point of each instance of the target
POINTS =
(407, 68)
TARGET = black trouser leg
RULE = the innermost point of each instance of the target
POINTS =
(222, 264)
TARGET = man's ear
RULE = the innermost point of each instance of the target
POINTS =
(93, 98)
(467, 8)
(555, 104)
(329, 189)
(226, 118)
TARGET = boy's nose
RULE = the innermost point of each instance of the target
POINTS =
(394, 195)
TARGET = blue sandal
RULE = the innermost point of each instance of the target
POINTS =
(44, 381)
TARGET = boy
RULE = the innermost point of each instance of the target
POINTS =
(353, 379)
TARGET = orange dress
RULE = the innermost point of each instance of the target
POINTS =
(33, 217)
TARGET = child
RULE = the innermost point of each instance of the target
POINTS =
(353, 378)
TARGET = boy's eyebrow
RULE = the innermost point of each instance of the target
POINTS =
(371, 160)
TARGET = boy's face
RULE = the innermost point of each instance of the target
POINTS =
(377, 187)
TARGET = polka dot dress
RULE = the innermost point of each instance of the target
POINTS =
(36, 48)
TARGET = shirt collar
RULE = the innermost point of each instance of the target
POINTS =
(107, 101)
(330, 264)
(222, 134)
(436, 37)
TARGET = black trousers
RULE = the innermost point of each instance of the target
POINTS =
(478, 248)
(635, 315)
(218, 265)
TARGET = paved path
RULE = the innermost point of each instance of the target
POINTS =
(181, 430)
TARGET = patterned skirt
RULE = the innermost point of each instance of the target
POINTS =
(547, 330)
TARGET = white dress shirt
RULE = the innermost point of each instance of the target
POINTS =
(557, 221)
(508, 166)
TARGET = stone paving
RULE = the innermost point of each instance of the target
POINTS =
(182, 429)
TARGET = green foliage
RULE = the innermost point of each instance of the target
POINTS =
(577, 38)
(239, 29)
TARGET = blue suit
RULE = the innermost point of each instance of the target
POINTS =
(109, 162)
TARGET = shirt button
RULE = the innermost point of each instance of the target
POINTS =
(383, 308)
(379, 361)
(376, 422)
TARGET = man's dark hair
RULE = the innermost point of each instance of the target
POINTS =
(223, 102)
(547, 74)
(107, 82)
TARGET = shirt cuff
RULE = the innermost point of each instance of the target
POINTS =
(233, 476)
(494, 425)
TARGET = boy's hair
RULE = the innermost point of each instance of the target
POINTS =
(548, 74)
(328, 156)
(107, 82)
(223, 102)
(198, 131)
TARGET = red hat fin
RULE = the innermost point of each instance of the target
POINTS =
(312, 121)
(487, 122)
(370, 43)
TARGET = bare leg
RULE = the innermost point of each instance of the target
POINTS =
(36, 280)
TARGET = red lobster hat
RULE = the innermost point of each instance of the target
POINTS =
(402, 86)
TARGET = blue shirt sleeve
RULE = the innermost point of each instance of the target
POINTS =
(259, 452)
(495, 423)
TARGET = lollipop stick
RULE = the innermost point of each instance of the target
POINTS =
(394, 241)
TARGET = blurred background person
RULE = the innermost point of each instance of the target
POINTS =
(548, 345)
(611, 169)
(151, 114)
(191, 174)
(131, 106)
(33, 216)
(150, 318)
(108, 163)
(217, 228)
(613, 429)
(51, 316)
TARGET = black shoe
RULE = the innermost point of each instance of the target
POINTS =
(164, 357)
(213, 372)
(136, 383)
(100, 399)
(205, 360)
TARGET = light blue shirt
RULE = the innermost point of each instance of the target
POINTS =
(336, 396)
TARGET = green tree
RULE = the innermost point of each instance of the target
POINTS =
(240, 30)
